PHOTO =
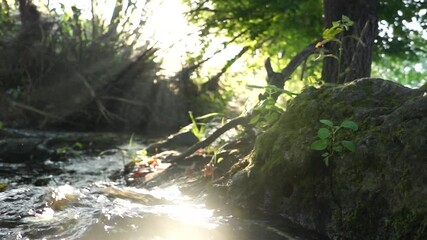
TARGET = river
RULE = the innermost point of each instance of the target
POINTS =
(75, 199)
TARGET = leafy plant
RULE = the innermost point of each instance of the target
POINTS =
(138, 155)
(132, 152)
(329, 142)
(266, 112)
(135, 154)
(333, 34)
(337, 27)
(199, 129)
(74, 150)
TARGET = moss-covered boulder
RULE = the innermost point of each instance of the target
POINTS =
(377, 192)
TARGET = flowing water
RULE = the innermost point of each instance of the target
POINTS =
(80, 202)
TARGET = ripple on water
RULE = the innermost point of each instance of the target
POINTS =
(83, 204)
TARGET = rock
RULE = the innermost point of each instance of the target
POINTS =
(377, 192)
(18, 145)
(21, 149)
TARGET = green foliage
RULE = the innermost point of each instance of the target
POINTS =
(329, 142)
(258, 20)
(199, 128)
(132, 151)
(407, 224)
(74, 150)
(337, 27)
(131, 140)
(266, 112)
(404, 72)
(282, 28)
(397, 38)
(272, 90)
(6, 22)
(334, 34)
(137, 155)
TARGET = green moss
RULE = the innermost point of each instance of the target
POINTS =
(365, 220)
(407, 224)
(376, 192)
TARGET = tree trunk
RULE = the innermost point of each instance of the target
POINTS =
(30, 16)
(356, 57)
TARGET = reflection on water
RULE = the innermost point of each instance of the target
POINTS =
(82, 204)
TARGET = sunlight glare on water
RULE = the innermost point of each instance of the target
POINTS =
(88, 212)
(191, 214)
(81, 203)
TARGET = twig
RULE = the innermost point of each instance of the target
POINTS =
(38, 111)
(125, 100)
(101, 107)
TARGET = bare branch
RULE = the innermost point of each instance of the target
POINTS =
(212, 83)
(278, 79)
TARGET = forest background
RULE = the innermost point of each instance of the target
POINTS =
(110, 65)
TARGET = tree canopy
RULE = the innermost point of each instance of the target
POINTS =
(284, 27)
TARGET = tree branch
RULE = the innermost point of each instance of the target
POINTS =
(212, 83)
(277, 79)
(229, 125)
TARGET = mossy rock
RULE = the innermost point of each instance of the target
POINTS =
(377, 192)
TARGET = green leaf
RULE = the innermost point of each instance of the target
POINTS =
(326, 161)
(254, 119)
(349, 145)
(271, 117)
(1, 125)
(346, 22)
(350, 125)
(193, 120)
(332, 32)
(78, 145)
(319, 145)
(337, 148)
(131, 140)
(326, 154)
(323, 133)
(327, 122)
(207, 116)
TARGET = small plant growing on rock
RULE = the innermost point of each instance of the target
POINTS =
(266, 112)
(329, 143)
